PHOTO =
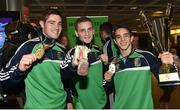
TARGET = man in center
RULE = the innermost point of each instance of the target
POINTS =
(88, 90)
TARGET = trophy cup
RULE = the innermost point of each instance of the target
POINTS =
(159, 31)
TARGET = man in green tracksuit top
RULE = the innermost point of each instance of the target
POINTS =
(88, 89)
(132, 70)
(40, 59)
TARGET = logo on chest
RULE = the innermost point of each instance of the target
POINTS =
(137, 62)
(60, 55)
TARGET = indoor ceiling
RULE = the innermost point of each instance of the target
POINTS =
(119, 11)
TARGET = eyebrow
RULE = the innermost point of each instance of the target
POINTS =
(123, 34)
(54, 21)
(126, 33)
(86, 29)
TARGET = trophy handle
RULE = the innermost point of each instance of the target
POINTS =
(146, 23)
(159, 29)
(148, 26)
(168, 21)
(169, 13)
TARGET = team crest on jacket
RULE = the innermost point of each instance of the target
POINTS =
(137, 62)
(117, 67)
(60, 55)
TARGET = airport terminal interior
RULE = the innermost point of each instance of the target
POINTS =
(129, 12)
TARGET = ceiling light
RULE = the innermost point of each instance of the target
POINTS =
(175, 31)
(158, 12)
(133, 8)
(54, 7)
(134, 31)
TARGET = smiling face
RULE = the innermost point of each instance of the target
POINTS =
(52, 26)
(123, 39)
(85, 31)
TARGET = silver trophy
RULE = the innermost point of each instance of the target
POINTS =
(159, 31)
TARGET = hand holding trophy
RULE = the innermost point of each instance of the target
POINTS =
(159, 31)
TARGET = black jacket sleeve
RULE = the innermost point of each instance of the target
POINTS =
(11, 76)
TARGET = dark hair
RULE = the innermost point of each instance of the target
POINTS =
(123, 26)
(48, 12)
(81, 19)
(107, 27)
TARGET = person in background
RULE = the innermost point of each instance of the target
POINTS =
(64, 41)
(106, 31)
(107, 37)
(11, 44)
(17, 33)
(106, 34)
(131, 73)
(135, 42)
(7, 51)
(88, 90)
(37, 62)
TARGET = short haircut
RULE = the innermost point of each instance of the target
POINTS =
(81, 19)
(48, 12)
(107, 27)
(123, 26)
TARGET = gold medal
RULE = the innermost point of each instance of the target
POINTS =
(39, 53)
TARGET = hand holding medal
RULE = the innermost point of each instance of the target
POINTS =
(40, 52)
(80, 59)
(82, 69)
(112, 69)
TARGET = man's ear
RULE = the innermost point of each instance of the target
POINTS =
(76, 33)
(132, 38)
(41, 23)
